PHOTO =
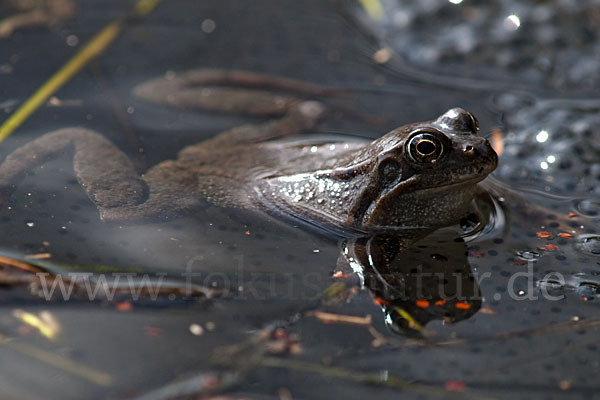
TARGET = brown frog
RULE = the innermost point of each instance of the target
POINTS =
(420, 175)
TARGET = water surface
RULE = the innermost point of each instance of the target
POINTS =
(278, 322)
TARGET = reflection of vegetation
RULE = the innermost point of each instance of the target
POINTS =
(241, 360)
(377, 379)
(57, 361)
(257, 352)
(373, 8)
(429, 280)
(104, 281)
(88, 52)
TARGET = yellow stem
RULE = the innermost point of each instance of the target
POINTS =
(90, 50)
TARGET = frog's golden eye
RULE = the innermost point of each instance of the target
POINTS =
(425, 148)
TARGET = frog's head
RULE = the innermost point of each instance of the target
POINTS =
(423, 174)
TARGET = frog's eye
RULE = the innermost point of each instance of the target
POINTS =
(425, 148)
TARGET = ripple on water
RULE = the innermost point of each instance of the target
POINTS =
(589, 244)
(528, 255)
(485, 222)
(587, 207)
(585, 285)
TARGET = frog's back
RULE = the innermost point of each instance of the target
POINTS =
(228, 176)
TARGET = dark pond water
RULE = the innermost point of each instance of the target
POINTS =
(255, 307)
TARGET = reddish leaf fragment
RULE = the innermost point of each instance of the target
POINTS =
(422, 303)
(340, 275)
(211, 382)
(24, 330)
(549, 247)
(477, 253)
(455, 386)
(497, 141)
(124, 306)
(519, 261)
(381, 302)
(280, 334)
(153, 331)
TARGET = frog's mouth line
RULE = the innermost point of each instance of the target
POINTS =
(411, 183)
(468, 182)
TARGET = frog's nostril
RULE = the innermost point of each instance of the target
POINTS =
(469, 150)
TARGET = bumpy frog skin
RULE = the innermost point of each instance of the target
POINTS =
(418, 175)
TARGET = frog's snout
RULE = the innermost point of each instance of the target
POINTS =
(481, 152)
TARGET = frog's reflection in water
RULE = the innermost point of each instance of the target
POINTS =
(415, 282)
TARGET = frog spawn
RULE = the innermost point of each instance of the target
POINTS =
(554, 42)
(542, 141)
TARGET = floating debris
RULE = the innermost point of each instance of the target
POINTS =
(330, 318)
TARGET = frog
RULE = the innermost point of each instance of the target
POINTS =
(30, 13)
(417, 176)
